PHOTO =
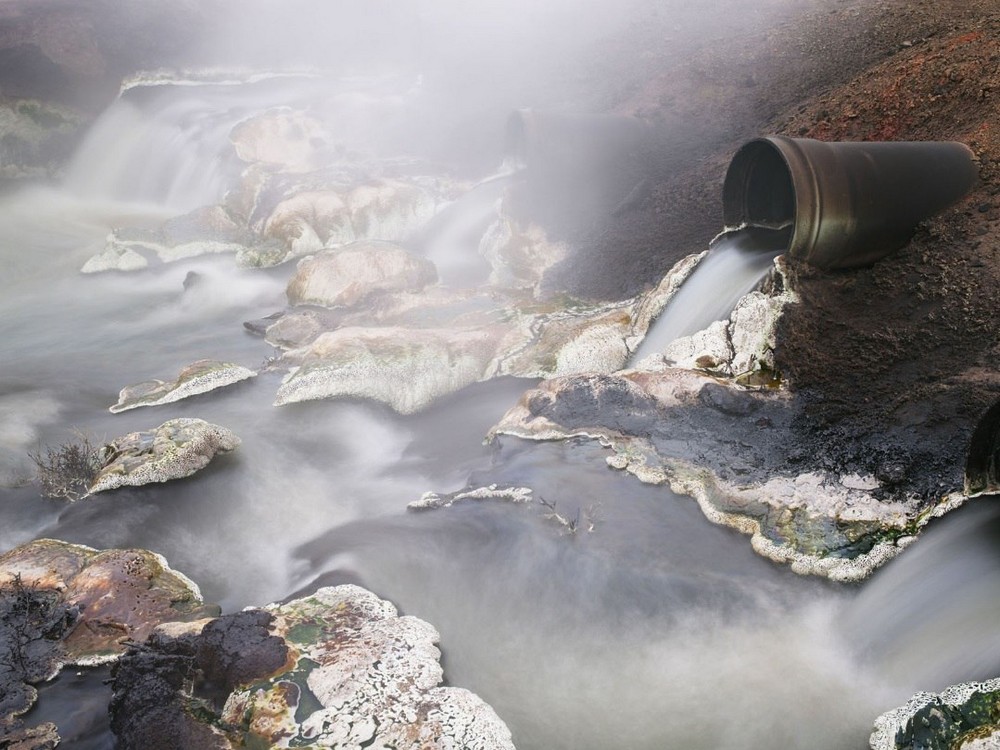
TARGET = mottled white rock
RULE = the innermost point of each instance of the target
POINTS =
(710, 349)
(549, 343)
(989, 742)
(519, 257)
(345, 276)
(282, 138)
(309, 220)
(115, 257)
(204, 231)
(753, 331)
(375, 675)
(515, 495)
(177, 448)
(889, 724)
(199, 377)
(404, 368)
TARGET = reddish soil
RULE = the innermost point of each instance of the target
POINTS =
(896, 362)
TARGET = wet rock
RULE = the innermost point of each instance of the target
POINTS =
(35, 138)
(199, 377)
(753, 330)
(177, 448)
(705, 437)
(443, 340)
(339, 668)
(962, 717)
(120, 595)
(237, 649)
(710, 349)
(406, 369)
(32, 625)
(362, 676)
(65, 604)
(116, 256)
(43, 737)
(290, 140)
(345, 276)
(150, 708)
(203, 231)
(519, 256)
(379, 209)
(168, 691)
(296, 329)
(434, 500)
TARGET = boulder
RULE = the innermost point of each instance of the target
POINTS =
(361, 676)
(345, 276)
(720, 443)
(177, 448)
(339, 668)
(204, 231)
(315, 214)
(962, 717)
(404, 368)
(282, 139)
(117, 595)
(199, 377)
(67, 604)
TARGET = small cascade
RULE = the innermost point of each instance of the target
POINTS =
(736, 263)
(929, 618)
(166, 141)
(451, 240)
(171, 151)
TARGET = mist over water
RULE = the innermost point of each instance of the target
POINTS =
(656, 630)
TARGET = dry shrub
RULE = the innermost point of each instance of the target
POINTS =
(68, 470)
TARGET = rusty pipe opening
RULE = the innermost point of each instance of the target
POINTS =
(848, 204)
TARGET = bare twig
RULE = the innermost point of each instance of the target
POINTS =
(67, 471)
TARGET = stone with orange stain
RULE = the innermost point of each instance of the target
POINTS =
(122, 595)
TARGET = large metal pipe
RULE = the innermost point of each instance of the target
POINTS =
(848, 204)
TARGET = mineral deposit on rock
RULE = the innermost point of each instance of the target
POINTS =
(406, 369)
(361, 676)
(118, 594)
(175, 449)
(962, 717)
(199, 377)
(343, 277)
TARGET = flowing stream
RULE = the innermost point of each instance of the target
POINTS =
(736, 263)
(657, 630)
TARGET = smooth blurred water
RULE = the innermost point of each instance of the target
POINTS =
(735, 265)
